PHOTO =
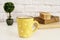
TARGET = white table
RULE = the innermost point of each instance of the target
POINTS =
(10, 33)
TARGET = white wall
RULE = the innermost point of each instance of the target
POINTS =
(31, 7)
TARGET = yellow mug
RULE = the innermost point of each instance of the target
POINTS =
(25, 26)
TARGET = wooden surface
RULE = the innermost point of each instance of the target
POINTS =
(51, 25)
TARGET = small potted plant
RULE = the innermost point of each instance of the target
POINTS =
(9, 7)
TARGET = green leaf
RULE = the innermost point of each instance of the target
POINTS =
(9, 7)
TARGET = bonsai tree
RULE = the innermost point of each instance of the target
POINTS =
(9, 7)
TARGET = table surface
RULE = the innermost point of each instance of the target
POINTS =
(11, 33)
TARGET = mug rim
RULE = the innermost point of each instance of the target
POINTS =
(25, 17)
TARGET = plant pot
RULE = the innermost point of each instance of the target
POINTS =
(9, 21)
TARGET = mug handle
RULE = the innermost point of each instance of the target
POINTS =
(36, 24)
